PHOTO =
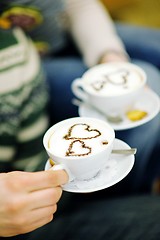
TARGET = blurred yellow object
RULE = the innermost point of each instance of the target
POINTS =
(139, 12)
(135, 115)
(115, 4)
(51, 162)
(4, 23)
(42, 47)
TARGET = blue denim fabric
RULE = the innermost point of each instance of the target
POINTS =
(141, 42)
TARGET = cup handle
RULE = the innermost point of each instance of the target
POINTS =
(78, 89)
(63, 167)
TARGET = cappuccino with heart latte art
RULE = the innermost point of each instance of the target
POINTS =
(78, 139)
(113, 88)
(82, 146)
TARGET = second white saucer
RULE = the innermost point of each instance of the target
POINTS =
(149, 102)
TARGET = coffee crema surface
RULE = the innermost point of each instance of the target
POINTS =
(78, 139)
(111, 79)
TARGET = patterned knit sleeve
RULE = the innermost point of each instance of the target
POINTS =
(23, 99)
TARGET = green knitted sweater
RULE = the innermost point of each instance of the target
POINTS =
(23, 99)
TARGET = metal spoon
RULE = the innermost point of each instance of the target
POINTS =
(113, 119)
(125, 151)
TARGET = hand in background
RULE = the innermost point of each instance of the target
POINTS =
(113, 56)
(28, 200)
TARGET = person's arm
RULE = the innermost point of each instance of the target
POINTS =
(28, 200)
(93, 31)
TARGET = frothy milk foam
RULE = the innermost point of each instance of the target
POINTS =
(79, 139)
(113, 79)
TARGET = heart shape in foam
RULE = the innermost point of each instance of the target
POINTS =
(98, 85)
(119, 77)
(78, 148)
(81, 131)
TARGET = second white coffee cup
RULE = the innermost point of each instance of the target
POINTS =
(112, 88)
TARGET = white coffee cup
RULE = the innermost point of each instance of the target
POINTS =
(113, 88)
(82, 146)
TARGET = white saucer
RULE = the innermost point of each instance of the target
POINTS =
(117, 168)
(149, 102)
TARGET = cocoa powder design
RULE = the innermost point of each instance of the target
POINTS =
(83, 149)
(70, 136)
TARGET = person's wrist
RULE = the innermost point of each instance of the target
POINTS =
(113, 56)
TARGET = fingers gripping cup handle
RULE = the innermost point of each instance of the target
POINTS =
(78, 89)
(63, 167)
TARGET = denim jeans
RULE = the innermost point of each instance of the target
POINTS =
(141, 42)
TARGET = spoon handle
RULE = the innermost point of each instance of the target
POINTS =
(125, 151)
(113, 119)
